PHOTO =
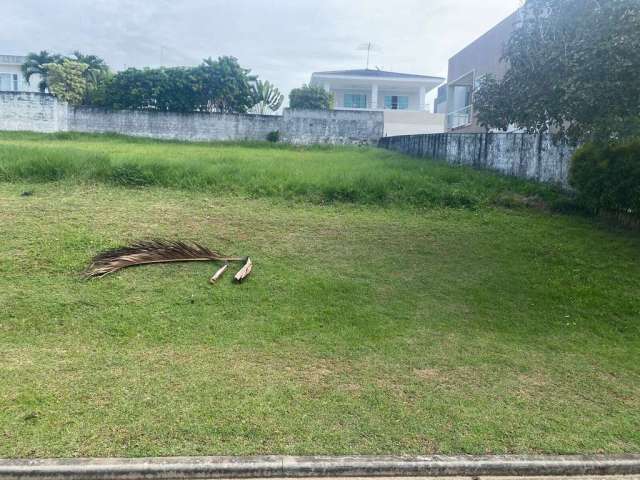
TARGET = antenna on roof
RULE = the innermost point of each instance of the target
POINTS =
(369, 47)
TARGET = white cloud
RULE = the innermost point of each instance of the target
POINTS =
(280, 40)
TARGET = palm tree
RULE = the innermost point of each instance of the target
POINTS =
(96, 70)
(266, 96)
(34, 65)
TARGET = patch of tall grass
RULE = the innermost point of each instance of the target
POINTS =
(315, 174)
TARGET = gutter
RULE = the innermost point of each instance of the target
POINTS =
(181, 468)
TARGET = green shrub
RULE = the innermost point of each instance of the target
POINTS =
(310, 97)
(273, 137)
(607, 177)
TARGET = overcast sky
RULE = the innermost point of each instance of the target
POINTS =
(283, 41)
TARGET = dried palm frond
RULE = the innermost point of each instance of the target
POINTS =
(153, 251)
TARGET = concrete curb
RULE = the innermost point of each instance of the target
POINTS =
(174, 468)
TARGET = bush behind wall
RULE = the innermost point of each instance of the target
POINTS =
(607, 177)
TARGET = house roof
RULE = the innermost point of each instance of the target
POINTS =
(377, 74)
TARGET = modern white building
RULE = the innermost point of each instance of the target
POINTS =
(11, 79)
(401, 96)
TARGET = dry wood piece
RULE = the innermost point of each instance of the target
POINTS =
(244, 272)
(216, 276)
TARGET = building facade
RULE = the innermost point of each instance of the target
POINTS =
(401, 96)
(11, 78)
(466, 70)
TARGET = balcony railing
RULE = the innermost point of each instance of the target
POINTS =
(459, 118)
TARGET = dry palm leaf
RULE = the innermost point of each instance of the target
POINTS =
(154, 251)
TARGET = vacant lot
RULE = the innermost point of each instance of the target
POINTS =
(385, 315)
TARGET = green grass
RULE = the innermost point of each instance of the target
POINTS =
(313, 174)
(364, 329)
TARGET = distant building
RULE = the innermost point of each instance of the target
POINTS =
(467, 68)
(401, 96)
(11, 78)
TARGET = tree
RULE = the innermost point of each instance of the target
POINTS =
(67, 80)
(493, 104)
(97, 68)
(573, 67)
(34, 64)
(226, 86)
(310, 98)
(265, 97)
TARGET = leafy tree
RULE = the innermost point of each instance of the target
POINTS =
(493, 104)
(133, 89)
(573, 68)
(97, 68)
(216, 86)
(265, 97)
(226, 86)
(67, 80)
(310, 98)
(34, 64)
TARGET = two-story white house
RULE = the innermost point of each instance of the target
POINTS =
(11, 79)
(401, 96)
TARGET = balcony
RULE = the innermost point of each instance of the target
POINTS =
(459, 118)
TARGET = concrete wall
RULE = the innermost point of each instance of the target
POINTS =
(535, 157)
(403, 122)
(32, 111)
(173, 126)
(43, 113)
(332, 127)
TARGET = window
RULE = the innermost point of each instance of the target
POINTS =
(8, 82)
(396, 102)
(352, 100)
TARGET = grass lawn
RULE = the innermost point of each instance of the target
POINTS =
(396, 306)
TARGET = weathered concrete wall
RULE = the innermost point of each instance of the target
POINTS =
(43, 113)
(173, 126)
(32, 111)
(536, 157)
(332, 127)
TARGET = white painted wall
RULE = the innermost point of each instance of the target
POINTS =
(404, 122)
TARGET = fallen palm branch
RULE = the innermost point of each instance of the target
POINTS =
(162, 251)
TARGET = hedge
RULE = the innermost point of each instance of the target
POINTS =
(607, 177)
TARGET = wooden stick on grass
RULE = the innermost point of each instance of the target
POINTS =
(244, 272)
(216, 276)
